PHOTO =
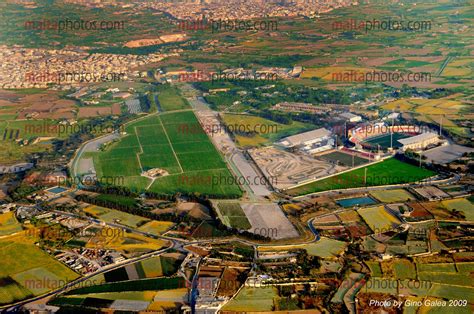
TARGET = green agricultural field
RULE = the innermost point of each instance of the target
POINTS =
(26, 271)
(175, 143)
(157, 267)
(389, 171)
(436, 267)
(445, 278)
(392, 196)
(452, 292)
(326, 248)
(116, 216)
(170, 99)
(375, 269)
(133, 285)
(150, 268)
(465, 267)
(404, 269)
(460, 204)
(251, 299)
(156, 227)
(381, 285)
(233, 216)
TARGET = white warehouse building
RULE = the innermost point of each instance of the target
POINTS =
(314, 141)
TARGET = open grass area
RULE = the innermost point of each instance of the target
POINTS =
(392, 196)
(252, 299)
(436, 267)
(389, 171)
(460, 204)
(404, 269)
(173, 142)
(378, 219)
(234, 216)
(171, 99)
(156, 227)
(127, 243)
(115, 216)
(326, 248)
(254, 131)
(26, 270)
(375, 269)
(9, 224)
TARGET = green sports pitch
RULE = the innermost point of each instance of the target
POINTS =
(387, 172)
(176, 143)
(385, 140)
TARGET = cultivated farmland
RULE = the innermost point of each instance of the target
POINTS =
(26, 271)
(175, 143)
(9, 224)
(378, 219)
(252, 299)
(392, 196)
(234, 216)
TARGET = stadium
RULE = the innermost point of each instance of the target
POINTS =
(380, 136)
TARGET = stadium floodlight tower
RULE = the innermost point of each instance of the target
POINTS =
(391, 137)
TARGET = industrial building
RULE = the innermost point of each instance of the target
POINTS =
(311, 142)
(350, 117)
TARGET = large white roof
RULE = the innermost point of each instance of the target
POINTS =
(299, 139)
(418, 138)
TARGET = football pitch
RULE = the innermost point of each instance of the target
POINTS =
(345, 159)
(385, 140)
(387, 172)
(172, 142)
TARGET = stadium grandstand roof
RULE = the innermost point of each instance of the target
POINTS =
(418, 138)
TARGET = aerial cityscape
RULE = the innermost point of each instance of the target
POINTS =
(238, 156)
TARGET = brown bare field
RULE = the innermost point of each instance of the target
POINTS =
(88, 112)
(197, 250)
(419, 211)
(326, 219)
(438, 211)
(155, 41)
(226, 288)
(46, 105)
(349, 216)
(115, 108)
(358, 229)
(464, 257)
(210, 271)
